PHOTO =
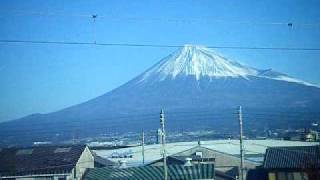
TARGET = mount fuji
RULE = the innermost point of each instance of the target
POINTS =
(196, 86)
(199, 61)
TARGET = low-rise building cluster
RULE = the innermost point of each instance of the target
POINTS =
(198, 162)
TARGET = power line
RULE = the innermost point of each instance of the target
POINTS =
(169, 20)
(34, 13)
(156, 45)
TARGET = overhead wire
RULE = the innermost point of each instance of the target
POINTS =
(157, 45)
(95, 16)
(158, 19)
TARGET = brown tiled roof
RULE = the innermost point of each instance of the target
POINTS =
(297, 157)
(39, 160)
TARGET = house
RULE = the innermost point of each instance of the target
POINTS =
(226, 165)
(175, 172)
(289, 163)
(45, 162)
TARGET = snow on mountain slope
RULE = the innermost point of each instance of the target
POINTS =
(270, 74)
(199, 61)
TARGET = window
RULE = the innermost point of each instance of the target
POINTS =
(281, 176)
(290, 176)
(272, 176)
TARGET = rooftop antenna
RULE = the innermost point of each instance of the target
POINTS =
(163, 141)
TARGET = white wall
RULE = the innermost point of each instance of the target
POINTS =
(85, 161)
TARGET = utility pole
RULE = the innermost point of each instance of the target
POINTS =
(163, 139)
(142, 144)
(241, 173)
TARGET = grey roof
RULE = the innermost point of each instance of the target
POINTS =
(221, 159)
(298, 157)
(202, 171)
(226, 165)
(102, 162)
(39, 160)
(206, 152)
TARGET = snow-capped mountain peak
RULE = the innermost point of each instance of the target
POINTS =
(197, 61)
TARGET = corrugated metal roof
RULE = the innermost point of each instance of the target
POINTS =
(299, 157)
(202, 171)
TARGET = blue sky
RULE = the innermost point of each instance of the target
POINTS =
(41, 78)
